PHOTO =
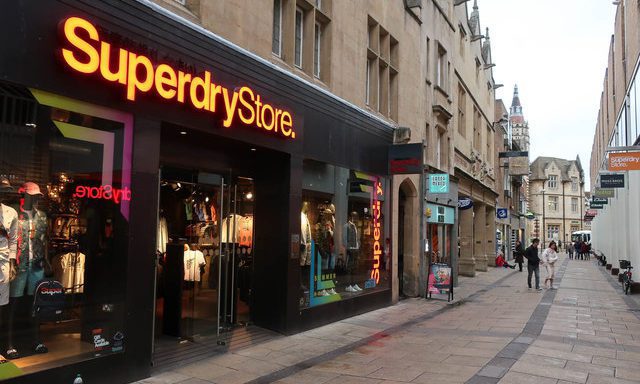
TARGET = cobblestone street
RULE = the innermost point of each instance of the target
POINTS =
(497, 330)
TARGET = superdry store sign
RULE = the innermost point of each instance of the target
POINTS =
(86, 52)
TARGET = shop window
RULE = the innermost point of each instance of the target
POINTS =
(65, 192)
(344, 245)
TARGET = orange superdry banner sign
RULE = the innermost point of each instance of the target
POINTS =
(84, 51)
(629, 161)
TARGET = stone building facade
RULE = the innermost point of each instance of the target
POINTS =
(425, 66)
(557, 198)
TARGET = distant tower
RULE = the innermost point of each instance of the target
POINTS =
(519, 126)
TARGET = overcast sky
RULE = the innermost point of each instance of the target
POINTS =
(556, 52)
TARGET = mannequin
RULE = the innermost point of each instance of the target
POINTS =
(351, 242)
(28, 267)
(8, 246)
(305, 244)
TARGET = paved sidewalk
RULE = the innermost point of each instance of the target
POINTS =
(497, 331)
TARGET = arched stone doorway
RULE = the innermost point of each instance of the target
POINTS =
(408, 240)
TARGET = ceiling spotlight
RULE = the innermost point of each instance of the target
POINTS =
(253, 149)
(206, 199)
(249, 195)
(183, 132)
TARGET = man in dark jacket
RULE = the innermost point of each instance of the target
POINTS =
(533, 265)
(519, 254)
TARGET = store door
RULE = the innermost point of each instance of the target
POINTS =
(205, 253)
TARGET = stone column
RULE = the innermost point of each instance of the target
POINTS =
(490, 249)
(466, 263)
(479, 236)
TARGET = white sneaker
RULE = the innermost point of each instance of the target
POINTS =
(355, 286)
(332, 291)
(350, 289)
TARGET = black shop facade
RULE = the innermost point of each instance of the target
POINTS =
(160, 185)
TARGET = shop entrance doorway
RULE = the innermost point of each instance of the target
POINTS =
(205, 253)
(402, 203)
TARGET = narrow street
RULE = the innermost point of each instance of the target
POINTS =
(497, 330)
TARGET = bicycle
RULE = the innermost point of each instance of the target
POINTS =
(627, 276)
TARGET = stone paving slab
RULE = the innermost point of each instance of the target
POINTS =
(497, 331)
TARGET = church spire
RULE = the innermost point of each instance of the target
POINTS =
(474, 19)
(516, 107)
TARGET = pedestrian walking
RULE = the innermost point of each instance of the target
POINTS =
(549, 258)
(578, 250)
(570, 250)
(519, 254)
(559, 244)
(587, 251)
(533, 263)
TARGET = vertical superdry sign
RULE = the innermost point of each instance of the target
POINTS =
(376, 210)
(84, 51)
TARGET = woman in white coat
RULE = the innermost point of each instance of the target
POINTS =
(549, 258)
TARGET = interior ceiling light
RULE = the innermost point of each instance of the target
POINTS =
(249, 195)
(183, 132)
(253, 149)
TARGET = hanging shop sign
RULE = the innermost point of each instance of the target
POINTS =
(599, 200)
(465, 203)
(86, 52)
(502, 213)
(377, 247)
(440, 214)
(604, 192)
(596, 206)
(591, 212)
(406, 159)
(629, 161)
(439, 183)
(519, 166)
(615, 180)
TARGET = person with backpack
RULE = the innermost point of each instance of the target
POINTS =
(533, 263)
(519, 254)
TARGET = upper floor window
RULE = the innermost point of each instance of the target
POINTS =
(574, 204)
(276, 39)
(462, 107)
(299, 36)
(441, 68)
(552, 183)
(574, 184)
(316, 50)
(553, 203)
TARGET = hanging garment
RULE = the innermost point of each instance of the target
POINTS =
(305, 240)
(193, 260)
(163, 235)
(230, 229)
(68, 269)
(245, 232)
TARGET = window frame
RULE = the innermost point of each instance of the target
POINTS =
(279, 23)
(552, 182)
(317, 38)
(298, 38)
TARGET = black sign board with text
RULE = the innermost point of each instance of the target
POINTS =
(614, 180)
(599, 200)
(406, 159)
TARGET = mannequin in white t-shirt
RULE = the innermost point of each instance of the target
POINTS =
(193, 261)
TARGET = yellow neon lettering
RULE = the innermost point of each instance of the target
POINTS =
(249, 107)
(166, 77)
(70, 27)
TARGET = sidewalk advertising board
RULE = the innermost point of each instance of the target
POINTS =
(439, 281)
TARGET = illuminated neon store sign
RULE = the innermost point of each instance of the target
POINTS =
(87, 53)
(377, 247)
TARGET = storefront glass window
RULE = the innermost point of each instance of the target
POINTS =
(65, 194)
(344, 242)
